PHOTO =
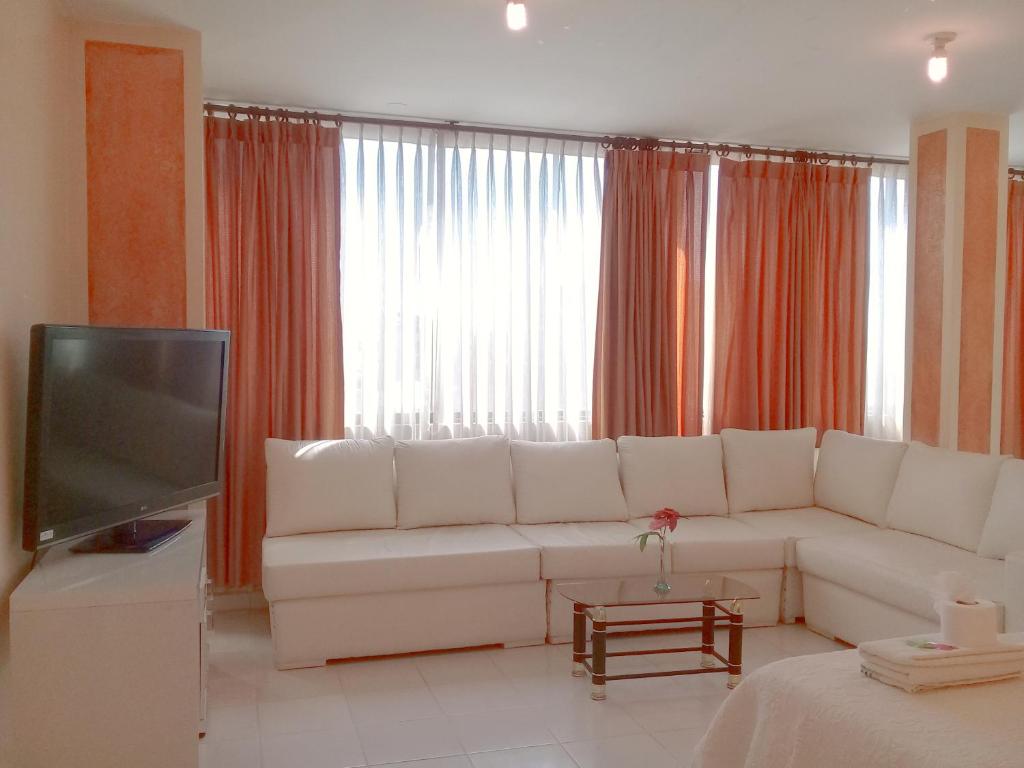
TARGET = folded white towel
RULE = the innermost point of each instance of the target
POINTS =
(907, 652)
(946, 674)
(903, 682)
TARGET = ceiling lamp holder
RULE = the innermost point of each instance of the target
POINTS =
(515, 15)
(938, 63)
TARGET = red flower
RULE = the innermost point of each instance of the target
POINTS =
(665, 518)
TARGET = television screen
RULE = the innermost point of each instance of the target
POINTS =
(122, 423)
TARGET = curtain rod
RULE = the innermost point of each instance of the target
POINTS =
(607, 142)
(1017, 172)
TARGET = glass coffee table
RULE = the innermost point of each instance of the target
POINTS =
(721, 598)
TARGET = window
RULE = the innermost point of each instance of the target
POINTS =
(469, 284)
(887, 303)
(887, 296)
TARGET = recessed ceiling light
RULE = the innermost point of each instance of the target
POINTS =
(938, 64)
(515, 15)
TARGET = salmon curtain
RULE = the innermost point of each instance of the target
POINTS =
(790, 310)
(648, 358)
(1013, 337)
(272, 278)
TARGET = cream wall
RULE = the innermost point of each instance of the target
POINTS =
(42, 271)
(43, 196)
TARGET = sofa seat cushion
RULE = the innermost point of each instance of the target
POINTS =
(790, 525)
(702, 544)
(363, 562)
(896, 568)
(590, 550)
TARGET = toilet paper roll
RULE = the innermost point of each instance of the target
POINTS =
(969, 626)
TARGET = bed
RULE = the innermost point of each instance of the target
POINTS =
(819, 711)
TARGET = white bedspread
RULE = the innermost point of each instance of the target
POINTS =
(820, 712)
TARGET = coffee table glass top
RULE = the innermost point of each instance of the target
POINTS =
(639, 590)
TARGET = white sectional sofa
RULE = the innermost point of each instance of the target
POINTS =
(375, 547)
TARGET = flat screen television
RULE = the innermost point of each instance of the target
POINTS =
(122, 423)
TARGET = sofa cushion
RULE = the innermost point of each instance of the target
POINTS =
(594, 550)
(770, 469)
(684, 473)
(465, 481)
(790, 525)
(896, 568)
(368, 562)
(711, 543)
(329, 485)
(567, 482)
(856, 475)
(945, 495)
(1004, 527)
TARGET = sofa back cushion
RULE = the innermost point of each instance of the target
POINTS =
(769, 469)
(684, 473)
(856, 475)
(567, 482)
(464, 481)
(944, 495)
(329, 485)
(1004, 527)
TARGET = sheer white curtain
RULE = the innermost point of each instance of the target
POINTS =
(887, 303)
(469, 269)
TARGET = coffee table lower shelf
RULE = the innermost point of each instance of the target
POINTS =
(711, 660)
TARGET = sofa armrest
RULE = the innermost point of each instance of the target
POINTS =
(1013, 592)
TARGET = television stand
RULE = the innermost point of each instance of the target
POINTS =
(134, 537)
(108, 660)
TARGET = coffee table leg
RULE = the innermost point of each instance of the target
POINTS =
(735, 643)
(598, 639)
(579, 640)
(707, 635)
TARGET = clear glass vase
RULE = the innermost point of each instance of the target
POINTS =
(662, 587)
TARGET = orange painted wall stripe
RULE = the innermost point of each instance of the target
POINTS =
(929, 234)
(1012, 436)
(135, 170)
(977, 319)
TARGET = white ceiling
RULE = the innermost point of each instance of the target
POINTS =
(844, 75)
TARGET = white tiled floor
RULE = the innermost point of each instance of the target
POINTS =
(488, 708)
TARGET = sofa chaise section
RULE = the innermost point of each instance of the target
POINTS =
(881, 584)
(687, 474)
(770, 480)
(357, 593)
(725, 546)
(588, 550)
(791, 526)
(365, 562)
(569, 504)
(349, 572)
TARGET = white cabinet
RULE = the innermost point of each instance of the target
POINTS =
(109, 654)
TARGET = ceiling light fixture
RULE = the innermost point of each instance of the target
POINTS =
(938, 64)
(515, 15)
